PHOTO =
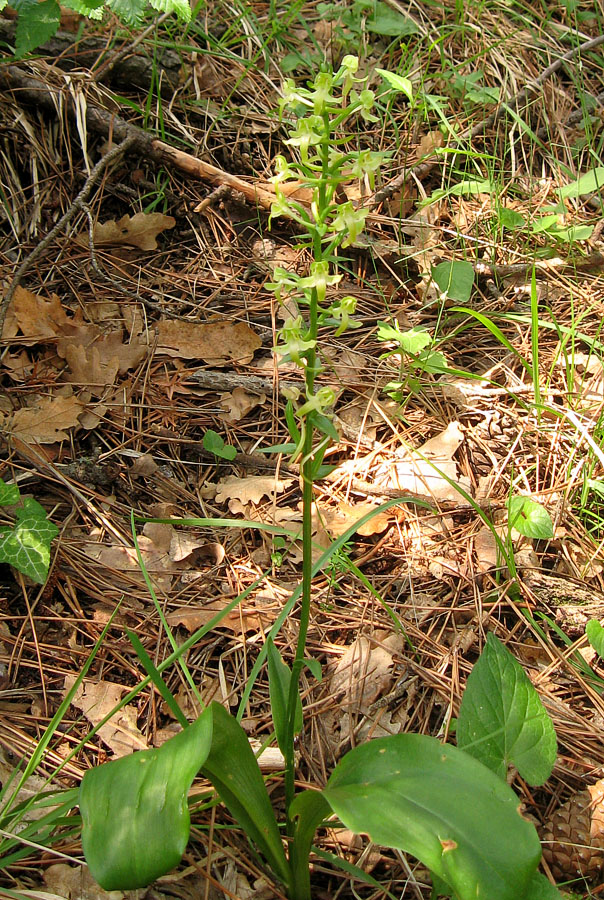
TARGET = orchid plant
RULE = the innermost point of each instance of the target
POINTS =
(449, 807)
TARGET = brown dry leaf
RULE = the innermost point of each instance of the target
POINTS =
(364, 671)
(434, 477)
(154, 545)
(96, 699)
(47, 422)
(239, 403)
(76, 883)
(429, 144)
(251, 489)
(140, 230)
(340, 519)
(216, 343)
(485, 547)
(38, 317)
(239, 621)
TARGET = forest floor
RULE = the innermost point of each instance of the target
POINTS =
(141, 334)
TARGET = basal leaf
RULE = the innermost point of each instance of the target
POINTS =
(26, 545)
(232, 768)
(502, 721)
(530, 518)
(542, 889)
(135, 813)
(455, 278)
(135, 817)
(586, 184)
(279, 679)
(434, 801)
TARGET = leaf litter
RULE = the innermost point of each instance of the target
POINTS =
(95, 377)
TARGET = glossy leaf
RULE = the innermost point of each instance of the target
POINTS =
(542, 889)
(444, 807)
(134, 809)
(595, 636)
(233, 770)
(455, 278)
(279, 679)
(135, 817)
(530, 518)
(502, 721)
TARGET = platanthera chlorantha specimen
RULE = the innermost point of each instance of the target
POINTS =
(450, 807)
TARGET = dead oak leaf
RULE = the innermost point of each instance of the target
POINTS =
(239, 621)
(251, 489)
(339, 520)
(216, 343)
(47, 422)
(96, 700)
(140, 230)
(239, 403)
(38, 317)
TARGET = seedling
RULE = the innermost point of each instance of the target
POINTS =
(213, 443)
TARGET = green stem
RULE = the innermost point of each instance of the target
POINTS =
(322, 206)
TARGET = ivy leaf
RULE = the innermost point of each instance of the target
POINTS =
(26, 545)
(502, 721)
(9, 494)
(529, 518)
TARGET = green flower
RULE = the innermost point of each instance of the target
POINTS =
(321, 96)
(284, 281)
(294, 345)
(368, 162)
(364, 103)
(342, 311)
(307, 134)
(319, 279)
(349, 221)
(319, 402)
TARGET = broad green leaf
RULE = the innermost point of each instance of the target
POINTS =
(307, 811)
(595, 636)
(502, 721)
(279, 679)
(9, 494)
(233, 770)
(530, 518)
(397, 82)
(412, 341)
(586, 184)
(36, 24)
(387, 21)
(129, 11)
(545, 223)
(135, 813)
(135, 817)
(510, 219)
(213, 443)
(542, 889)
(455, 278)
(434, 801)
(182, 8)
(26, 545)
(470, 188)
